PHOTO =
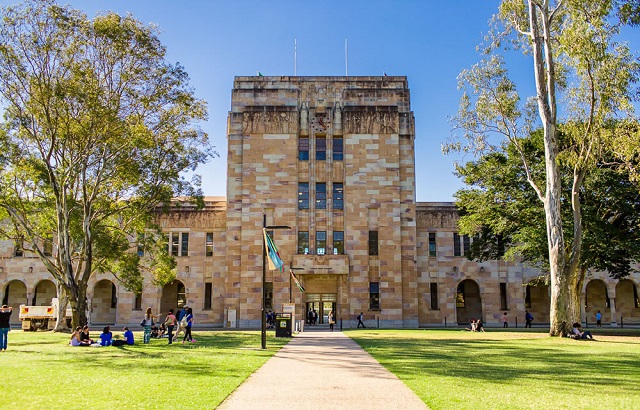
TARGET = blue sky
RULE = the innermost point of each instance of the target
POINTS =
(428, 41)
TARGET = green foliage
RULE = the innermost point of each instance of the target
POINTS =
(99, 130)
(501, 207)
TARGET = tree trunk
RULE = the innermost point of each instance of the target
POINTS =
(63, 301)
(79, 305)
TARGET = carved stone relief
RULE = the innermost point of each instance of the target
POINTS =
(270, 122)
(371, 122)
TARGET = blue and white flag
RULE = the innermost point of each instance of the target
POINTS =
(272, 252)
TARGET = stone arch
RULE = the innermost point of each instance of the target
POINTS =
(43, 293)
(174, 297)
(597, 298)
(627, 301)
(468, 302)
(537, 301)
(14, 295)
(104, 303)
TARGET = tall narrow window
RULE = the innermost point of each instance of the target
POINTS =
(208, 293)
(18, 250)
(374, 295)
(338, 242)
(208, 244)
(373, 243)
(321, 242)
(268, 295)
(433, 287)
(137, 301)
(527, 297)
(303, 242)
(184, 248)
(607, 301)
(182, 296)
(460, 296)
(303, 195)
(338, 196)
(321, 148)
(303, 149)
(466, 243)
(503, 296)
(432, 244)
(636, 300)
(456, 245)
(47, 246)
(175, 243)
(338, 149)
(321, 195)
(114, 296)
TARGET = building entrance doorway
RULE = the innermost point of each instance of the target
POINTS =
(322, 304)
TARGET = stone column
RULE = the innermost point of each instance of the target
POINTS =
(612, 311)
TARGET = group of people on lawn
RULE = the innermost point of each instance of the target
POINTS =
(181, 323)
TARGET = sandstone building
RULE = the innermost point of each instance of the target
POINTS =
(332, 158)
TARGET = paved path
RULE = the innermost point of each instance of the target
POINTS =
(319, 369)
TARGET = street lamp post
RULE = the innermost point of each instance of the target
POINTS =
(264, 278)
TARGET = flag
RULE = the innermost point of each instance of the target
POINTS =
(260, 74)
(272, 252)
(297, 281)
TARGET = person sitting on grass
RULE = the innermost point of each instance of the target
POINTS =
(578, 333)
(479, 327)
(473, 325)
(84, 335)
(75, 338)
(128, 338)
(106, 336)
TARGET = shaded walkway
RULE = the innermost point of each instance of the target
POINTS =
(319, 369)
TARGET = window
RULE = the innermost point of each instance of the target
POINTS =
(268, 295)
(17, 247)
(433, 287)
(456, 245)
(321, 148)
(527, 297)
(114, 297)
(208, 291)
(182, 296)
(303, 195)
(466, 241)
(179, 243)
(374, 295)
(338, 242)
(338, 196)
(47, 246)
(321, 195)
(503, 296)
(636, 300)
(460, 296)
(137, 301)
(338, 149)
(208, 244)
(321, 242)
(303, 149)
(373, 243)
(303, 242)
(432, 244)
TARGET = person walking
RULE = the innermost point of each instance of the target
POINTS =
(147, 322)
(528, 318)
(170, 323)
(187, 330)
(505, 322)
(5, 326)
(181, 325)
(598, 319)
(360, 322)
(332, 321)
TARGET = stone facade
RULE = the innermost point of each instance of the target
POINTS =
(331, 158)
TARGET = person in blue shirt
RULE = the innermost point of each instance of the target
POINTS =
(106, 336)
(187, 330)
(128, 336)
(179, 325)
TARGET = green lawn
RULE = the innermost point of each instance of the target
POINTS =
(453, 369)
(40, 371)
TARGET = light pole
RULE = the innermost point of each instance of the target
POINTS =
(264, 277)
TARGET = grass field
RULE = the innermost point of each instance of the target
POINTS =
(453, 369)
(39, 371)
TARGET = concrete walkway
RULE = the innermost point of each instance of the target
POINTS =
(319, 369)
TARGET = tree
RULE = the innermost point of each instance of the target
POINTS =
(502, 211)
(577, 58)
(99, 128)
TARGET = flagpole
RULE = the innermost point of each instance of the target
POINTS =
(295, 57)
(346, 56)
